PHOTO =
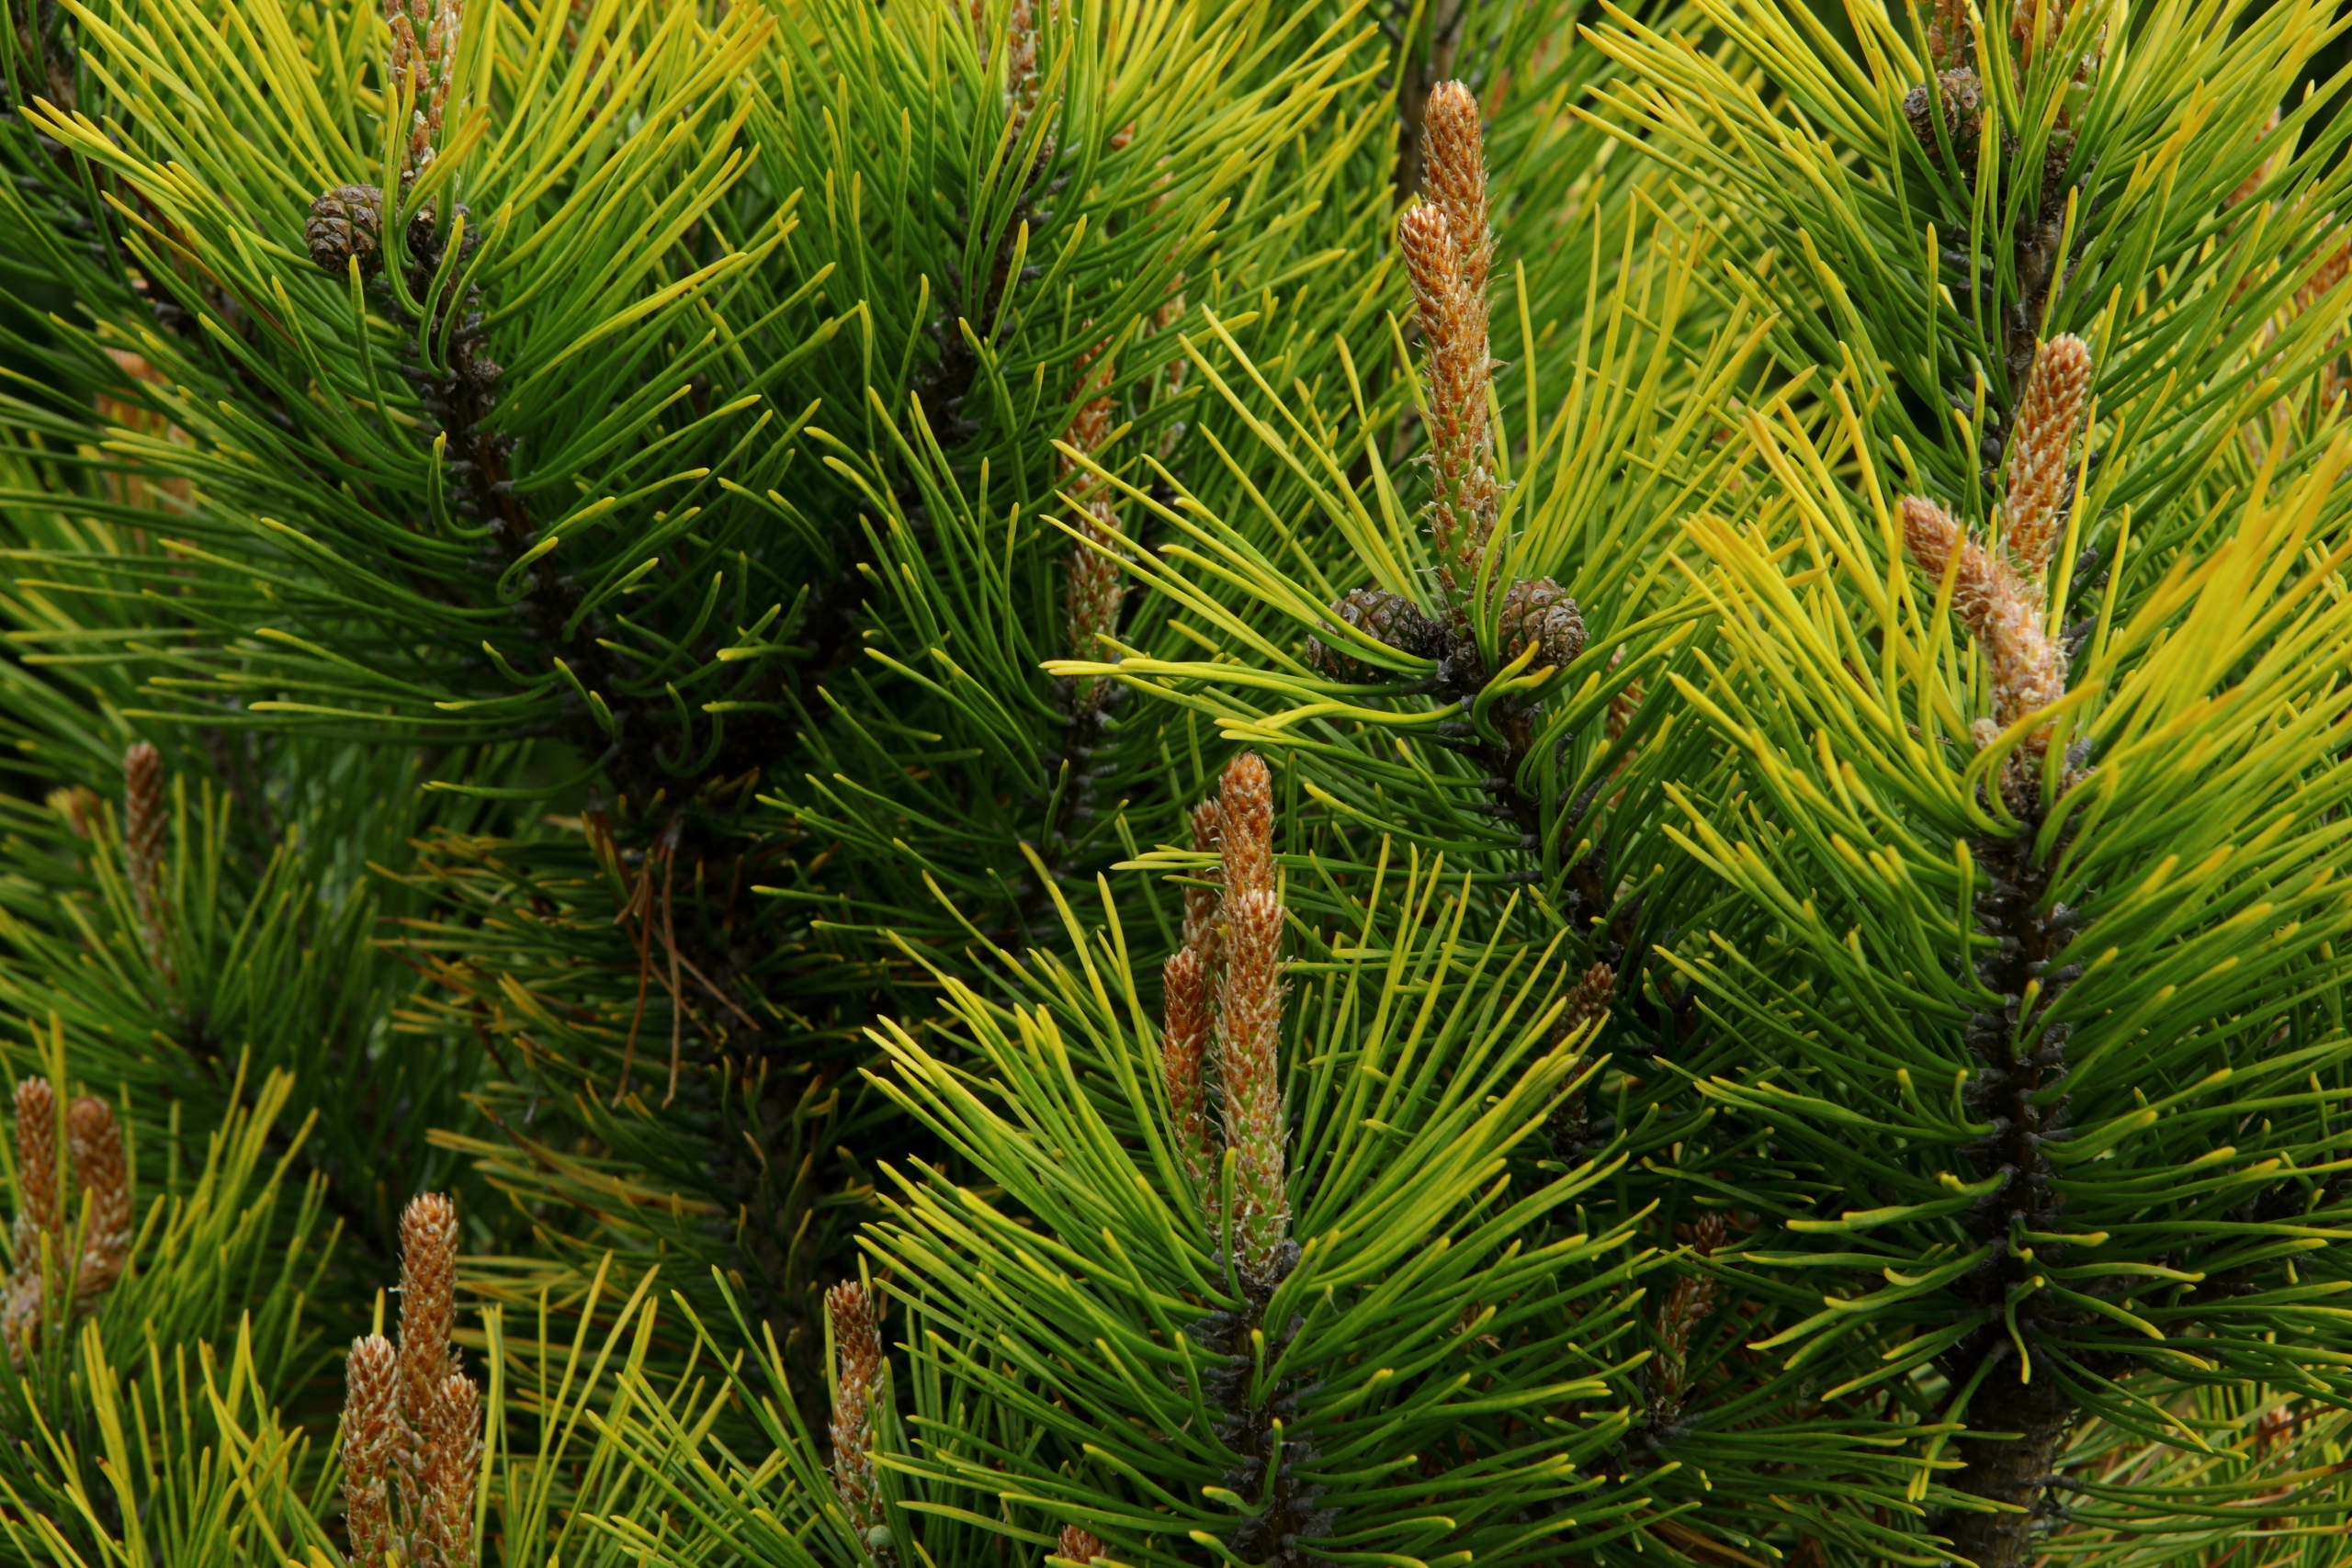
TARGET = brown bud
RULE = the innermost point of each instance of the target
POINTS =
(21, 1310)
(1705, 1233)
(1686, 1306)
(1539, 613)
(1587, 1002)
(347, 222)
(1025, 68)
(1384, 617)
(440, 59)
(1934, 537)
(2047, 16)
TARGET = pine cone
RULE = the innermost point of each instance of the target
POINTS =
(1541, 613)
(1964, 97)
(1386, 617)
(347, 221)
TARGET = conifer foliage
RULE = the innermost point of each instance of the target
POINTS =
(1174, 783)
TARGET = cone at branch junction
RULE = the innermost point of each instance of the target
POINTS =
(1541, 614)
(1384, 617)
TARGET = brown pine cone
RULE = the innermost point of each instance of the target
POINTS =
(1964, 97)
(1541, 613)
(347, 221)
(1386, 617)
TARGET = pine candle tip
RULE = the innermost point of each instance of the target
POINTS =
(428, 1248)
(1206, 829)
(1934, 538)
(453, 1457)
(2036, 490)
(857, 1353)
(428, 1302)
(40, 1212)
(91, 1161)
(1184, 990)
(1455, 177)
(1080, 1546)
(1095, 591)
(145, 819)
(77, 807)
(1447, 272)
(411, 1422)
(36, 1195)
(1200, 903)
(1928, 532)
(1426, 241)
(857, 1339)
(1249, 1014)
(1245, 815)
(1090, 425)
(425, 46)
(143, 782)
(370, 1445)
(95, 1140)
(2024, 670)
